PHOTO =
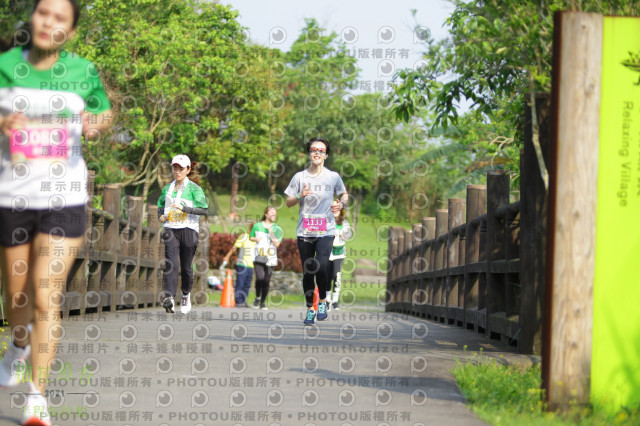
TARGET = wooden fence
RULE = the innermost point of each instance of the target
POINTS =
(121, 261)
(460, 273)
(480, 263)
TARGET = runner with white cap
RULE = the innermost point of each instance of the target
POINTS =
(179, 205)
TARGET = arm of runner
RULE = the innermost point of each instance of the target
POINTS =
(194, 210)
(343, 199)
(346, 230)
(94, 125)
(161, 201)
(276, 234)
(292, 200)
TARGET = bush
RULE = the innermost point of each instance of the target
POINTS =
(219, 245)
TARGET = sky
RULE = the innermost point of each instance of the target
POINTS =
(380, 33)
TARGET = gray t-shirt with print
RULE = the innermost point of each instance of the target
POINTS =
(315, 218)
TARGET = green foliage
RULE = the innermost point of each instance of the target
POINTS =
(182, 78)
(496, 47)
(504, 394)
(171, 68)
(497, 52)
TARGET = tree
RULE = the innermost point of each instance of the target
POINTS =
(498, 51)
(171, 68)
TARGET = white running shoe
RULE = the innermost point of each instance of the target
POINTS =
(36, 412)
(13, 367)
(185, 303)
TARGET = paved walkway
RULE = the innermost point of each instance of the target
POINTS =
(248, 367)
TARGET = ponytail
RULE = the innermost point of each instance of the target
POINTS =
(193, 174)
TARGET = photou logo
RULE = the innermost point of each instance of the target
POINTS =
(277, 35)
(21, 71)
(59, 70)
(349, 35)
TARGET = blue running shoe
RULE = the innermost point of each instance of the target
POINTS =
(322, 311)
(311, 315)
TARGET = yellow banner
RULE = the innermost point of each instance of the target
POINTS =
(615, 364)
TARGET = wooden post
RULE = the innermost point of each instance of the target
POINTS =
(429, 225)
(399, 234)
(160, 250)
(481, 320)
(573, 168)
(135, 207)
(442, 223)
(392, 272)
(533, 228)
(476, 207)
(77, 279)
(110, 245)
(407, 281)
(152, 254)
(416, 266)
(497, 196)
(400, 257)
(453, 278)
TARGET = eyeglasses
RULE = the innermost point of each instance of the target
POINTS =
(318, 150)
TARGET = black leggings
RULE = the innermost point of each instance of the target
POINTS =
(263, 277)
(179, 247)
(314, 254)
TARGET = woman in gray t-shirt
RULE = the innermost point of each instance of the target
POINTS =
(315, 188)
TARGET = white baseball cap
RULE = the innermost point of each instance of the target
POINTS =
(182, 160)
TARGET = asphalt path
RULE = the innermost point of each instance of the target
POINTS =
(240, 366)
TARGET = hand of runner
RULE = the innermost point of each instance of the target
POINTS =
(305, 191)
(12, 122)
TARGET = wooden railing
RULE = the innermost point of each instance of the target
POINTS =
(121, 261)
(462, 268)
(480, 264)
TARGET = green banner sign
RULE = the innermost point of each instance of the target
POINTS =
(615, 364)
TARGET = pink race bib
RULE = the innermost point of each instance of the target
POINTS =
(316, 224)
(40, 142)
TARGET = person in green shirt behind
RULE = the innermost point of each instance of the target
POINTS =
(268, 235)
(338, 254)
(179, 205)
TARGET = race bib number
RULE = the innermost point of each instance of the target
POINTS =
(314, 224)
(176, 216)
(39, 142)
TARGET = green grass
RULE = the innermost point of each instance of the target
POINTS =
(507, 395)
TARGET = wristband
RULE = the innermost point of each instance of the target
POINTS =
(298, 196)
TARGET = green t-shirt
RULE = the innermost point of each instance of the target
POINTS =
(264, 245)
(190, 195)
(43, 162)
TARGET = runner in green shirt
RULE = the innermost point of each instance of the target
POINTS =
(49, 98)
(268, 235)
(179, 205)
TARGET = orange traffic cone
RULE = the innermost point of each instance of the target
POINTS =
(316, 298)
(228, 299)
